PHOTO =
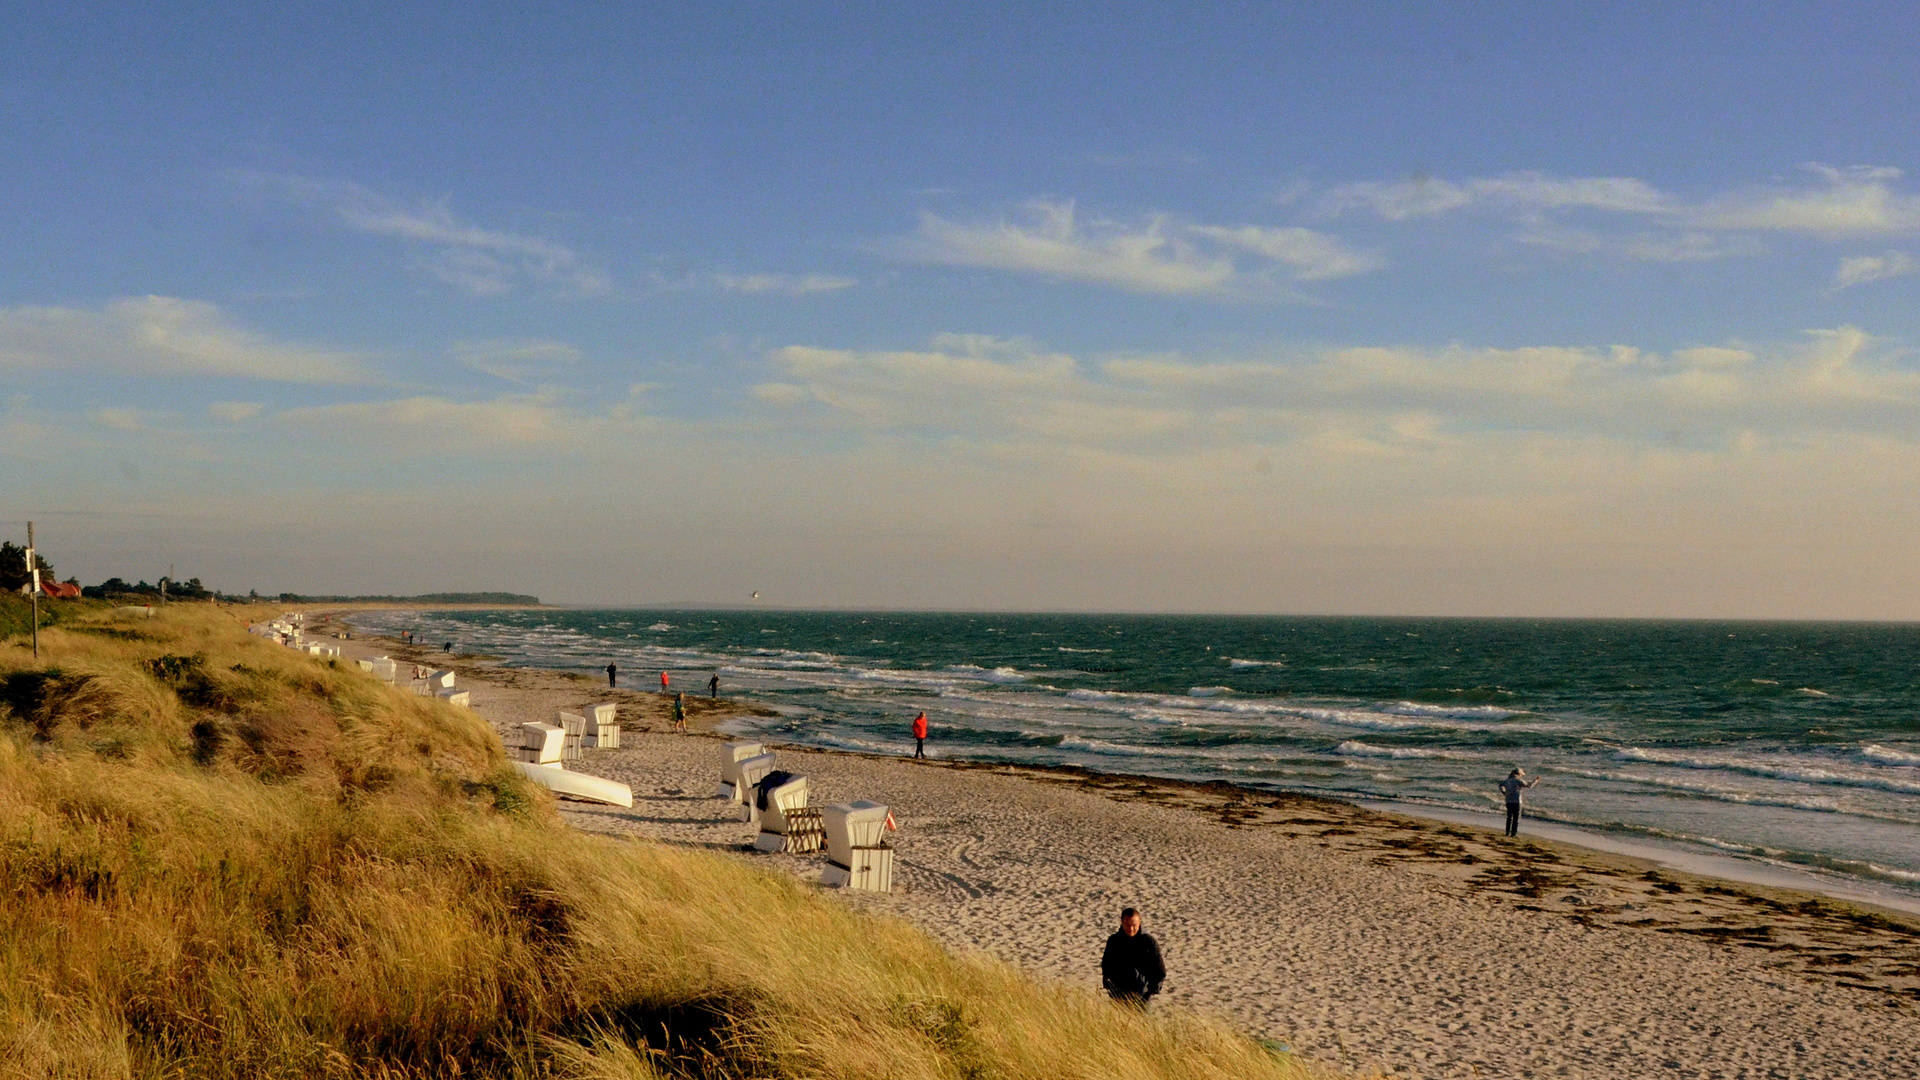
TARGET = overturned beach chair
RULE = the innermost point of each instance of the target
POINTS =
(603, 727)
(577, 785)
(441, 680)
(787, 823)
(542, 744)
(858, 856)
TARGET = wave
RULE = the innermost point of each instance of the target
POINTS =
(1063, 648)
(1804, 774)
(1234, 663)
(1415, 708)
(1360, 749)
(992, 675)
(660, 626)
(1209, 691)
(1890, 755)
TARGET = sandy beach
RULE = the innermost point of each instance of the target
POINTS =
(1370, 941)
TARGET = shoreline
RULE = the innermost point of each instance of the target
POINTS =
(1729, 868)
(1808, 865)
(1366, 937)
(1711, 866)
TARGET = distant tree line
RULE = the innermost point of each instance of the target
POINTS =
(505, 599)
(176, 590)
(13, 577)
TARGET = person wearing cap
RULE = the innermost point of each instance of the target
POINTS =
(1131, 968)
(1515, 783)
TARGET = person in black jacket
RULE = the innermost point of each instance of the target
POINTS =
(1130, 968)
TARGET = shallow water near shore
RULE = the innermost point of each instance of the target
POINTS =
(1796, 745)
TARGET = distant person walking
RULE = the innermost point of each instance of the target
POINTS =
(663, 682)
(679, 712)
(448, 647)
(713, 687)
(920, 736)
(613, 676)
(1511, 787)
(1131, 968)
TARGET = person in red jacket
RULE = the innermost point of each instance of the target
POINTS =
(920, 736)
(663, 682)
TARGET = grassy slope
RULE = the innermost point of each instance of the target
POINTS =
(254, 864)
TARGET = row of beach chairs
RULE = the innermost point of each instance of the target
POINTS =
(545, 750)
(853, 833)
(567, 740)
(427, 684)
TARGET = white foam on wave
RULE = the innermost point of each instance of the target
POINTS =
(660, 626)
(1815, 693)
(1889, 755)
(992, 675)
(1209, 691)
(1356, 748)
(1239, 663)
(1805, 774)
(1064, 648)
(798, 654)
(771, 664)
(1465, 712)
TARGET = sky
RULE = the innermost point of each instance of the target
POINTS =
(1488, 309)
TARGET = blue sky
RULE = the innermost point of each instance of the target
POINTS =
(1518, 309)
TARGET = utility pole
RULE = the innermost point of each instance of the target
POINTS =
(33, 586)
(164, 582)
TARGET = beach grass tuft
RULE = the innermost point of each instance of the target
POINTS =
(223, 859)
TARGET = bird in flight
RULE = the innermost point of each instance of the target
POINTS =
(756, 594)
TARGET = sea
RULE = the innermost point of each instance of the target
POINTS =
(1787, 744)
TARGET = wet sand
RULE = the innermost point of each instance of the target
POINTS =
(1369, 940)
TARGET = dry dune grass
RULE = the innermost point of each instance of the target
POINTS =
(225, 859)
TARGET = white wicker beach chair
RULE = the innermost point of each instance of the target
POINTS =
(858, 856)
(542, 744)
(787, 823)
(731, 755)
(603, 727)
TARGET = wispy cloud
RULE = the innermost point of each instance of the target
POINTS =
(1674, 246)
(1155, 255)
(162, 336)
(510, 418)
(515, 359)
(784, 284)
(1833, 203)
(483, 261)
(235, 412)
(1429, 196)
(1860, 269)
(1854, 201)
(1312, 256)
